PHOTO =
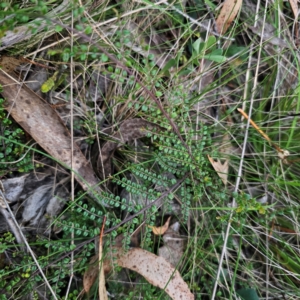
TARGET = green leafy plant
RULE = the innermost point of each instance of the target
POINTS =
(13, 155)
(164, 68)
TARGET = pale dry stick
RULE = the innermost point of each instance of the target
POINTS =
(100, 159)
(278, 59)
(195, 248)
(16, 227)
(249, 67)
(101, 289)
(72, 159)
(202, 63)
(234, 204)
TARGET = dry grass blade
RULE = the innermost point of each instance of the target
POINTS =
(102, 288)
(282, 153)
(96, 269)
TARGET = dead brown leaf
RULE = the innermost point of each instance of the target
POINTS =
(45, 126)
(222, 169)
(226, 146)
(228, 12)
(91, 274)
(294, 6)
(162, 229)
(157, 271)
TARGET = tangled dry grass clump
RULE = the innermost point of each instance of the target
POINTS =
(169, 129)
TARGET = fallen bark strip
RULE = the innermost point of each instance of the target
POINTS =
(39, 120)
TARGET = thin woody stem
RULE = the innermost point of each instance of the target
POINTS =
(260, 131)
